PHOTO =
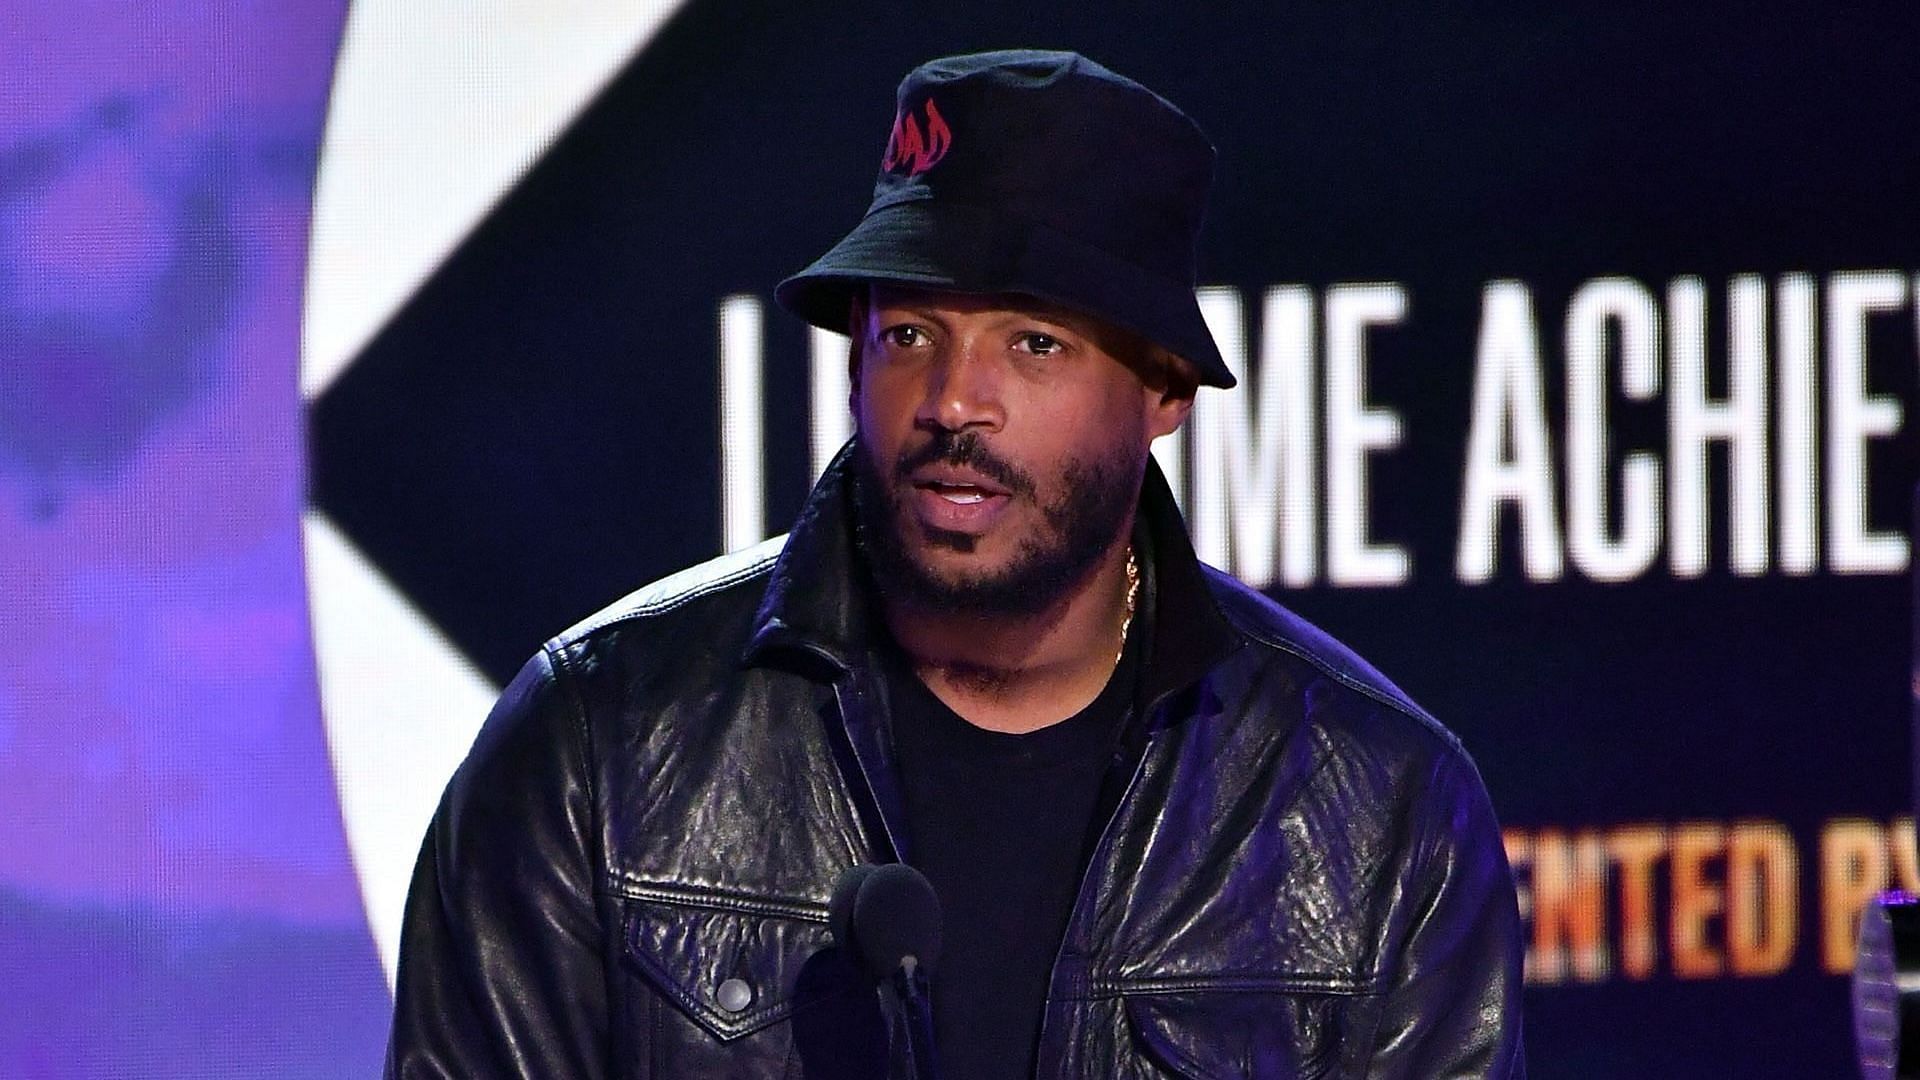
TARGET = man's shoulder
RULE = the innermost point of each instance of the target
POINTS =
(723, 591)
(1364, 701)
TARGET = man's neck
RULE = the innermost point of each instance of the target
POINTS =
(1022, 673)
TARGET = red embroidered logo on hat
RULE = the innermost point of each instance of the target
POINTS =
(916, 150)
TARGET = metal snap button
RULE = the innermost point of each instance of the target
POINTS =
(734, 995)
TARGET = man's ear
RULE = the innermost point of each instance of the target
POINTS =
(1168, 414)
(1170, 393)
(856, 329)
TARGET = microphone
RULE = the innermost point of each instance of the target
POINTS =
(888, 919)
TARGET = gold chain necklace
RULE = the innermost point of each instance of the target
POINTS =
(1133, 593)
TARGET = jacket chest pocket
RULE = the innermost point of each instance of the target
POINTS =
(745, 987)
(1235, 1034)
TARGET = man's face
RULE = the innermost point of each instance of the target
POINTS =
(1000, 445)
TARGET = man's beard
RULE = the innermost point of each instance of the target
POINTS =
(1096, 495)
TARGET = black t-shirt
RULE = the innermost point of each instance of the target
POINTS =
(998, 822)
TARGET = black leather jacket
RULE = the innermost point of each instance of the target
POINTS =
(1299, 874)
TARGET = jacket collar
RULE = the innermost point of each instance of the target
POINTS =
(819, 597)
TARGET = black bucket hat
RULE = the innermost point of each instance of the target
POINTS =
(1039, 173)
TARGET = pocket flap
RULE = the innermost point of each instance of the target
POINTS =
(735, 965)
(1238, 1034)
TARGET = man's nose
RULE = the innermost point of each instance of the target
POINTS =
(964, 385)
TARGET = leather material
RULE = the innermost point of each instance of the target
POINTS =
(1299, 873)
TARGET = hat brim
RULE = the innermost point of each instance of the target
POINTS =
(929, 244)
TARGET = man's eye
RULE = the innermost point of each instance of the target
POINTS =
(1040, 344)
(905, 337)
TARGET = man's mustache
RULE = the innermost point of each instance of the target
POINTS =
(965, 449)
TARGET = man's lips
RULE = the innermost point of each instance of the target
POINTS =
(956, 485)
(956, 499)
(962, 495)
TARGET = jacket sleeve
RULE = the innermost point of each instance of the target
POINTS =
(1452, 1005)
(501, 970)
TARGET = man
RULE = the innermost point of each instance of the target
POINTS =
(1172, 829)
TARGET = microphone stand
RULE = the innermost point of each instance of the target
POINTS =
(912, 1021)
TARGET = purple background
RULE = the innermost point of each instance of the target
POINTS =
(176, 894)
